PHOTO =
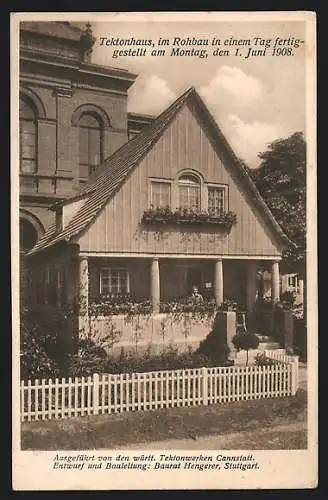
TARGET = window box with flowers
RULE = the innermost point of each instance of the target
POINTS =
(165, 215)
(120, 304)
(188, 305)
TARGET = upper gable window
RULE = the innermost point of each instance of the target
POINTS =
(90, 144)
(189, 192)
(160, 194)
(216, 199)
(27, 137)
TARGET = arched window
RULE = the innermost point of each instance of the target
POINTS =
(189, 192)
(27, 136)
(27, 235)
(90, 144)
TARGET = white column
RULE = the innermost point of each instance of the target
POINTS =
(275, 282)
(218, 282)
(154, 285)
(251, 284)
(84, 286)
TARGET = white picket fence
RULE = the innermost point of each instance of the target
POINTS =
(105, 394)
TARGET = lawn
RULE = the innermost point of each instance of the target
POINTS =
(113, 431)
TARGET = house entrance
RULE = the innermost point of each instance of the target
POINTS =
(194, 278)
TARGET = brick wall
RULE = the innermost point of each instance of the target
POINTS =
(58, 142)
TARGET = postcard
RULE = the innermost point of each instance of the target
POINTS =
(164, 259)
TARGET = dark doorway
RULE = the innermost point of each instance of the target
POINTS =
(194, 278)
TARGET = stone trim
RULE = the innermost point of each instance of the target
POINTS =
(38, 104)
(91, 108)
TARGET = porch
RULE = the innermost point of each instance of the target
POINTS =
(149, 302)
(160, 280)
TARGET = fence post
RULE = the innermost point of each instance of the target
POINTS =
(205, 385)
(95, 393)
(294, 375)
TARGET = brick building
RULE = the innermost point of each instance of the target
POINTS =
(72, 115)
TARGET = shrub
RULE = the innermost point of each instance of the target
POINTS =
(38, 345)
(246, 341)
(169, 359)
(214, 347)
(262, 360)
(90, 358)
(48, 325)
(288, 297)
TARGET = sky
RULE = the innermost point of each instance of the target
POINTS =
(254, 101)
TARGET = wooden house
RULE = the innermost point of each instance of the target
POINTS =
(171, 209)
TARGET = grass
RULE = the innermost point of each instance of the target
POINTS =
(112, 431)
(281, 437)
(270, 440)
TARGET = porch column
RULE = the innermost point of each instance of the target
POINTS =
(275, 282)
(218, 282)
(84, 286)
(154, 285)
(251, 284)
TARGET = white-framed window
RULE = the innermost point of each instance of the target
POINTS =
(292, 281)
(216, 199)
(189, 192)
(114, 281)
(160, 194)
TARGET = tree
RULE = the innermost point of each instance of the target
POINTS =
(245, 341)
(281, 180)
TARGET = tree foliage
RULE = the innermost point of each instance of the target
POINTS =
(245, 341)
(281, 180)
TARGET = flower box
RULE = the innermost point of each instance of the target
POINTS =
(161, 216)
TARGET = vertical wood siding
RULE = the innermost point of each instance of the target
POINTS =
(184, 144)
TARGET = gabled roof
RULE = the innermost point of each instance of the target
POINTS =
(120, 165)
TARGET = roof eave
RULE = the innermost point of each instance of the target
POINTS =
(48, 247)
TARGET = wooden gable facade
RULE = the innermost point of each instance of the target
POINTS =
(186, 146)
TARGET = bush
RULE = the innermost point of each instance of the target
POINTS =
(38, 345)
(170, 359)
(48, 325)
(288, 297)
(214, 347)
(262, 360)
(91, 359)
(246, 341)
